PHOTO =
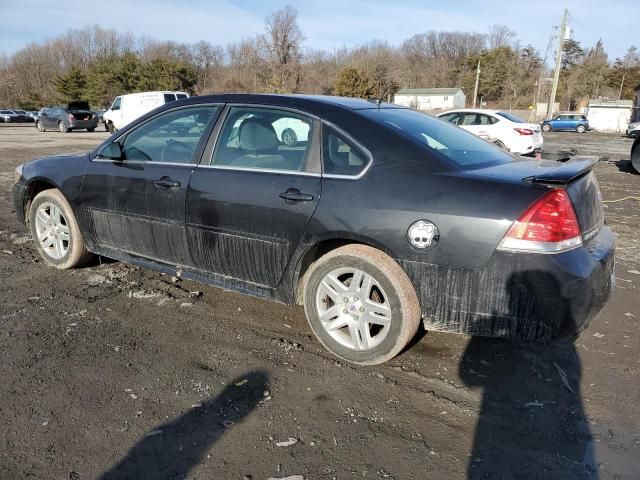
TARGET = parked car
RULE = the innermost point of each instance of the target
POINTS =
(383, 218)
(576, 122)
(635, 154)
(8, 116)
(633, 130)
(502, 128)
(75, 116)
(290, 131)
(33, 115)
(23, 116)
(127, 108)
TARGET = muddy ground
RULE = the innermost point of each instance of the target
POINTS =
(112, 372)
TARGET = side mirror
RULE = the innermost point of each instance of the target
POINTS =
(113, 151)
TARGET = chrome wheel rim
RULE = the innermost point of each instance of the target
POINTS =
(289, 137)
(353, 309)
(52, 230)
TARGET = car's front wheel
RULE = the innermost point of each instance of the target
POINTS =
(39, 126)
(581, 129)
(360, 304)
(62, 128)
(55, 230)
(546, 127)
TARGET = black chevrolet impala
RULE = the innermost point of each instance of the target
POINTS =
(375, 218)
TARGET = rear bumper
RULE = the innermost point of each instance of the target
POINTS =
(519, 296)
(83, 123)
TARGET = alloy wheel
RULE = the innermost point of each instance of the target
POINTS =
(52, 230)
(353, 308)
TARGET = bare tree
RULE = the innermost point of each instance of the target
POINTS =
(283, 43)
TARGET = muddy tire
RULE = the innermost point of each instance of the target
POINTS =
(360, 304)
(55, 231)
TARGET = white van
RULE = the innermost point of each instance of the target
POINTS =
(126, 108)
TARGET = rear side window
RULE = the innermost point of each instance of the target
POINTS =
(169, 97)
(451, 117)
(340, 155)
(264, 139)
(181, 95)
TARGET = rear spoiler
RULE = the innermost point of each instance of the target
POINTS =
(565, 173)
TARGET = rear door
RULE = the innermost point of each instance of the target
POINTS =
(137, 204)
(250, 200)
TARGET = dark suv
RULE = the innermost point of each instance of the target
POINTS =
(75, 116)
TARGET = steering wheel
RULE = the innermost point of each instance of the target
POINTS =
(176, 151)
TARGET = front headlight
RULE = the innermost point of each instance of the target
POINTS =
(17, 173)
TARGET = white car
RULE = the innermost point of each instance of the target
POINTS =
(502, 128)
(290, 131)
(126, 108)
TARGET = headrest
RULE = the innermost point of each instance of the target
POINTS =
(258, 135)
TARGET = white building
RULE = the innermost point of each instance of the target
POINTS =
(430, 98)
(609, 115)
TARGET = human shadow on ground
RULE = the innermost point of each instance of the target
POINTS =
(173, 449)
(531, 423)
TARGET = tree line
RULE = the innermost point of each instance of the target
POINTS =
(97, 64)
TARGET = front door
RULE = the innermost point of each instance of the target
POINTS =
(248, 207)
(136, 204)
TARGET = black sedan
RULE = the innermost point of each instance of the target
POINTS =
(75, 116)
(378, 218)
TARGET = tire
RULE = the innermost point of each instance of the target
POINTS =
(546, 127)
(289, 137)
(62, 128)
(106, 127)
(498, 143)
(581, 129)
(635, 156)
(111, 128)
(91, 130)
(391, 302)
(39, 126)
(59, 252)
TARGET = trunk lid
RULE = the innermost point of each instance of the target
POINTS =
(575, 176)
(81, 114)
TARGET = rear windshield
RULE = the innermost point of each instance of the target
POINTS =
(511, 117)
(451, 143)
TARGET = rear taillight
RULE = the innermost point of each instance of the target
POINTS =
(71, 117)
(549, 225)
(524, 131)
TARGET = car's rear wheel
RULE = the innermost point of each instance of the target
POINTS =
(110, 128)
(289, 137)
(55, 231)
(62, 128)
(39, 126)
(546, 127)
(581, 129)
(360, 304)
(91, 129)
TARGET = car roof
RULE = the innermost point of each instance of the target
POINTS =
(472, 110)
(291, 100)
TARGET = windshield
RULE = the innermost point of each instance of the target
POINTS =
(511, 117)
(464, 149)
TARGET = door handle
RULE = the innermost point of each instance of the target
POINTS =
(295, 195)
(166, 182)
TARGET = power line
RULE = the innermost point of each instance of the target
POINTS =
(598, 36)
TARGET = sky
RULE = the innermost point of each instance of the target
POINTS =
(326, 24)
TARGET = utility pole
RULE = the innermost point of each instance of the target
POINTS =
(475, 90)
(621, 85)
(556, 74)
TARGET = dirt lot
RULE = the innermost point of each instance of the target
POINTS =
(114, 372)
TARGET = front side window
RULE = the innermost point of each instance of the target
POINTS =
(341, 156)
(262, 138)
(116, 103)
(171, 137)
